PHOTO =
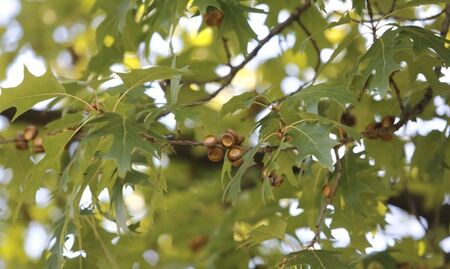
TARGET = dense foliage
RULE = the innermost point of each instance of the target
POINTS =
(210, 133)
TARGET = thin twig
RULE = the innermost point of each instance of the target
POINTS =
(315, 46)
(227, 51)
(408, 115)
(446, 23)
(397, 93)
(327, 200)
(226, 80)
(374, 29)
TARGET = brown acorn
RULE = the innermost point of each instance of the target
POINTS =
(327, 191)
(210, 141)
(215, 154)
(387, 121)
(198, 242)
(276, 180)
(30, 132)
(21, 142)
(235, 153)
(37, 145)
(238, 162)
(228, 140)
(214, 17)
(370, 128)
(240, 140)
(348, 119)
(233, 133)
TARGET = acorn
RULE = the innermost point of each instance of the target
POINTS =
(214, 17)
(370, 128)
(30, 132)
(276, 180)
(240, 140)
(235, 153)
(348, 119)
(210, 141)
(228, 140)
(21, 142)
(238, 162)
(387, 121)
(37, 145)
(279, 135)
(327, 191)
(198, 242)
(215, 154)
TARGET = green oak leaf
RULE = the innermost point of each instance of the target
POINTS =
(236, 21)
(317, 259)
(380, 59)
(238, 102)
(113, 24)
(126, 138)
(424, 39)
(349, 130)
(54, 148)
(137, 77)
(312, 95)
(30, 92)
(261, 233)
(357, 179)
(313, 139)
(234, 186)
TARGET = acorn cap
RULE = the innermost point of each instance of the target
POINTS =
(387, 121)
(213, 17)
(238, 162)
(21, 143)
(215, 154)
(327, 191)
(37, 141)
(276, 180)
(370, 128)
(235, 153)
(210, 141)
(30, 132)
(38, 149)
(228, 140)
(240, 139)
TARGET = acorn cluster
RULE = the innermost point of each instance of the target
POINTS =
(386, 122)
(230, 141)
(213, 17)
(29, 136)
(274, 179)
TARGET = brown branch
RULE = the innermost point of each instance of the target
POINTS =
(36, 117)
(227, 51)
(327, 200)
(226, 80)
(432, 17)
(397, 93)
(446, 23)
(315, 46)
(374, 29)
